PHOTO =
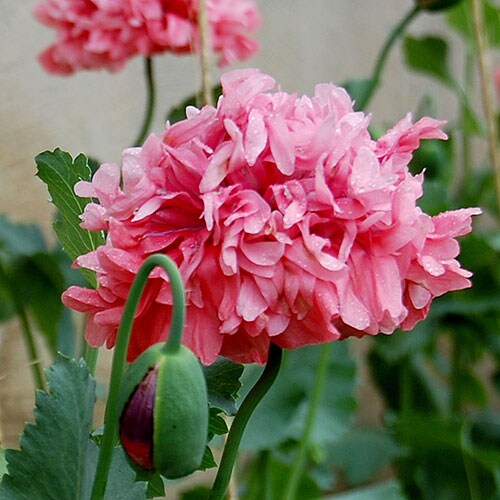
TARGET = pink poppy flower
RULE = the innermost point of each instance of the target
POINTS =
(288, 222)
(94, 34)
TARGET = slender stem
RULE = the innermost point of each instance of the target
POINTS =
(90, 355)
(470, 469)
(151, 100)
(314, 402)
(486, 91)
(29, 338)
(240, 421)
(119, 358)
(266, 479)
(206, 84)
(397, 31)
(466, 140)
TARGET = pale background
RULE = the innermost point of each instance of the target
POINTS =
(304, 42)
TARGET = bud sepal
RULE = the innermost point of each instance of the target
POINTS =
(164, 411)
(435, 5)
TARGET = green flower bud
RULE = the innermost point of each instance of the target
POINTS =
(436, 4)
(164, 412)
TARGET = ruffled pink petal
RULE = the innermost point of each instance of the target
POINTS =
(288, 222)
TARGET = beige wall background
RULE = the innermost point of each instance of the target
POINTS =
(304, 42)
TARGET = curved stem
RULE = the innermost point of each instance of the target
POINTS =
(382, 57)
(119, 358)
(300, 459)
(151, 100)
(206, 85)
(29, 338)
(240, 421)
(486, 93)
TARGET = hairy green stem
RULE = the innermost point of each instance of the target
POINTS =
(240, 421)
(486, 92)
(397, 31)
(90, 355)
(29, 340)
(151, 100)
(314, 402)
(119, 358)
(28, 337)
(206, 85)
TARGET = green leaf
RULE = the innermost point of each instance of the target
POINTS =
(20, 240)
(208, 461)
(361, 453)
(482, 439)
(470, 121)
(53, 451)
(38, 281)
(121, 480)
(436, 157)
(390, 490)
(400, 366)
(198, 493)
(216, 424)
(3, 463)
(428, 55)
(228, 387)
(156, 487)
(7, 310)
(268, 477)
(57, 459)
(460, 19)
(178, 113)
(60, 173)
(281, 414)
(154, 481)
(359, 90)
(433, 465)
(216, 427)
(223, 384)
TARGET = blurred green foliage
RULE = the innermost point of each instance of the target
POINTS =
(439, 436)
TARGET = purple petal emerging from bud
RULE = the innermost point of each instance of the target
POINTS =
(136, 422)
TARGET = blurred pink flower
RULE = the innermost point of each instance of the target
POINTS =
(94, 34)
(288, 222)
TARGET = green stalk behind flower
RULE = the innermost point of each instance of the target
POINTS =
(240, 421)
(394, 35)
(151, 101)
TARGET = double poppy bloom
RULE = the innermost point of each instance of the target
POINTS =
(95, 34)
(288, 222)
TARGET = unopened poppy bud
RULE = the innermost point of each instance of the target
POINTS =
(164, 412)
(436, 4)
